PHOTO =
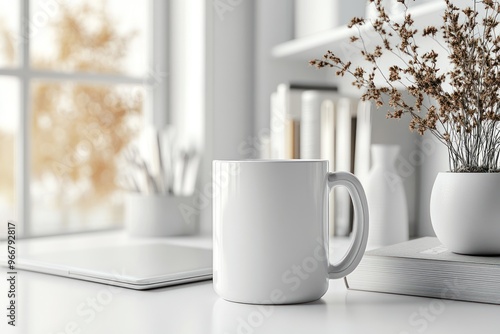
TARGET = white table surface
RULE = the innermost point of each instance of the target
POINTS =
(54, 305)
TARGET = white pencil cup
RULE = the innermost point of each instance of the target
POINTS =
(159, 215)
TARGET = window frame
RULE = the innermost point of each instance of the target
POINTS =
(154, 82)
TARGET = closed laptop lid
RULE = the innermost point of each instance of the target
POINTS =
(136, 264)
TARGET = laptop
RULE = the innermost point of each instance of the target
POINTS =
(135, 266)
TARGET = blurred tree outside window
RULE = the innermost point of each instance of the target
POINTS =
(86, 69)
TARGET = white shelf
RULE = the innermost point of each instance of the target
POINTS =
(336, 40)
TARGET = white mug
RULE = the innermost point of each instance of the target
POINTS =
(271, 230)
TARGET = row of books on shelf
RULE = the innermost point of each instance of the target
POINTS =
(316, 122)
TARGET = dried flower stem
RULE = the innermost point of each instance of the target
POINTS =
(460, 106)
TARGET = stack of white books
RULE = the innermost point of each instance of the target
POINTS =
(424, 267)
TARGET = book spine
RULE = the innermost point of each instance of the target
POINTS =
(277, 136)
(328, 152)
(343, 163)
(363, 140)
(292, 130)
(296, 139)
(310, 144)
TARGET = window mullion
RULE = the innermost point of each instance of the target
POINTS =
(87, 77)
(158, 69)
(23, 160)
(75, 76)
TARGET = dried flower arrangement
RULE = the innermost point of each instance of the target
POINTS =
(460, 106)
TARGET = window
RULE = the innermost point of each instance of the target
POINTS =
(78, 80)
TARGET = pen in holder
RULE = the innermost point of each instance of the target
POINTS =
(160, 178)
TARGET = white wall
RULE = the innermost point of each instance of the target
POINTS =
(230, 87)
(187, 70)
(233, 77)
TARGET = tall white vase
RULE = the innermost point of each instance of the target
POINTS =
(386, 199)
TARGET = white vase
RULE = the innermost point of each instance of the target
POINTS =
(465, 212)
(386, 199)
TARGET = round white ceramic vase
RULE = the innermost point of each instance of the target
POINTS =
(465, 212)
(386, 199)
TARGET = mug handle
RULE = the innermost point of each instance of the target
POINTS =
(360, 230)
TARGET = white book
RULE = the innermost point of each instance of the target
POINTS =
(310, 130)
(292, 141)
(277, 136)
(328, 152)
(343, 163)
(327, 133)
(424, 267)
(265, 147)
(311, 122)
(285, 105)
(290, 100)
(363, 140)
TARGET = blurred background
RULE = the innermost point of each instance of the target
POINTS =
(81, 79)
